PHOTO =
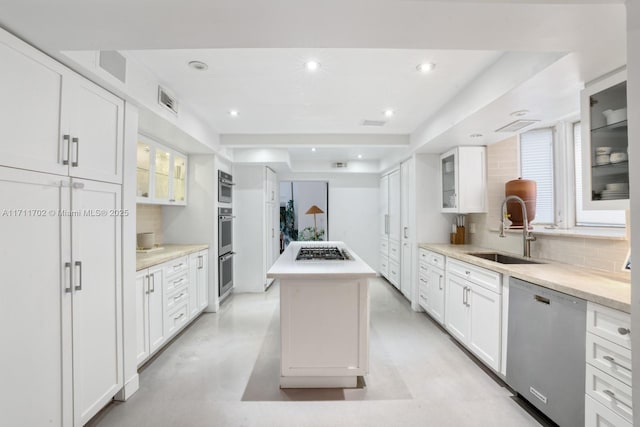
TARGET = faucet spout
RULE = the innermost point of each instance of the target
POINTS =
(527, 237)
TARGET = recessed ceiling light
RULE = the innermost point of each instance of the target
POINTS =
(312, 65)
(313, 149)
(425, 67)
(476, 135)
(359, 156)
(389, 113)
(520, 113)
(234, 113)
(198, 65)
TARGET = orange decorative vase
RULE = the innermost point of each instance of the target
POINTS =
(526, 190)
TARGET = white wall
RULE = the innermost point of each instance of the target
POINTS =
(353, 210)
(432, 226)
(305, 195)
(633, 97)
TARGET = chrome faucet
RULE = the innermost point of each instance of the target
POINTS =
(527, 237)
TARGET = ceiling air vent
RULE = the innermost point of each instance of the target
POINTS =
(166, 100)
(340, 165)
(373, 123)
(517, 125)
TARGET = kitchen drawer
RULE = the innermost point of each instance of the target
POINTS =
(384, 266)
(384, 246)
(610, 392)
(177, 318)
(172, 284)
(422, 291)
(488, 279)
(610, 324)
(598, 415)
(394, 273)
(432, 258)
(610, 358)
(176, 298)
(394, 250)
(176, 266)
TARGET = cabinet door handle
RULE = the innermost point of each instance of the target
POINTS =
(624, 331)
(78, 266)
(272, 233)
(464, 295)
(405, 232)
(76, 141)
(440, 282)
(67, 271)
(153, 283)
(146, 288)
(65, 149)
(613, 362)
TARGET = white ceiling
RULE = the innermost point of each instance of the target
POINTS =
(368, 50)
(274, 93)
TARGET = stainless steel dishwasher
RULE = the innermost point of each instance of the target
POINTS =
(546, 350)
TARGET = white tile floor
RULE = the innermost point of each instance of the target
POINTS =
(223, 371)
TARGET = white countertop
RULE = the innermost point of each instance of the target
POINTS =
(286, 266)
(609, 289)
(170, 251)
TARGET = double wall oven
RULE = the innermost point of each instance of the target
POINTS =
(225, 251)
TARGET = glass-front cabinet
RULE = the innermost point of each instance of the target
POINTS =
(605, 154)
(463, 180)
(448, 171)
(161, 174)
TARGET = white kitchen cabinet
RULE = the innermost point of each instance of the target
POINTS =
(69, 301)
(272, 222)
(605, 143)
(198, 282)
(390, 224)
(161, 174)
(473, 310)
(608, 391)
(407, 227)
(432, 284)
(175, 290)
(149, 312)
(59, 123)
(463, 180)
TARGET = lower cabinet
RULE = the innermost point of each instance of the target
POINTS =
(431, 295)
(168, 297)
(473, 310)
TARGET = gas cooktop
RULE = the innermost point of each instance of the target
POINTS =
(331, 253)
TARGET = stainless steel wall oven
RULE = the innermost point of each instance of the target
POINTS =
(225, 250)
(225, 187)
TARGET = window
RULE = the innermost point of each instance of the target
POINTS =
(602, 218)
(536, 163)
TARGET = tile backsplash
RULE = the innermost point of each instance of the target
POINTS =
(149, 219)
(502, 165)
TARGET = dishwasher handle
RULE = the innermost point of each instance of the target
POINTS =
(542, 299)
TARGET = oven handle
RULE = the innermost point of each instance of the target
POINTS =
(227, 256)
(225, 182)
(226, 217)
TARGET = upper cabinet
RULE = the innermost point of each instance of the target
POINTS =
(161, 174)
(463, 177)
(605, 158)
(59, 122)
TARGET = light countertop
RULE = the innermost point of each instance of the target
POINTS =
(611, 290)
(286, 266)
(170, 251)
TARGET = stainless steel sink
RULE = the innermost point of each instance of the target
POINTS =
(503, 259)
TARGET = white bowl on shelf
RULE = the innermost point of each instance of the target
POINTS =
(618, 157)
(603, 150)
(615, 116)
(617, 186)
(602, 159)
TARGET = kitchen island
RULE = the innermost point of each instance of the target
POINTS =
(324, 315)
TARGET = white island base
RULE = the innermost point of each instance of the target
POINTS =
(324, 320)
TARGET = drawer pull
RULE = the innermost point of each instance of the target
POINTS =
(393, 272)
(467, 273)
(179, 317)
(613, 362)
(542, 299)
(435, 260)
(624, 331)
(176, 298)
(175, 282)
(177, 266)
(423, 281)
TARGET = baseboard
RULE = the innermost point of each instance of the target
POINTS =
(130, 387)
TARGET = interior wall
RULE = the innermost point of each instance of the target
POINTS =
(502, 166)
(149, 220)
(353, 210)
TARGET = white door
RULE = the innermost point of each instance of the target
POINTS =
(384, 206)
(203, 279)
(96, 127)
(484, 336)
(36, 334)
(30, 113)
(142, 316)
(194, 266)
(97, 300)
(394, 206)
(156, 308)
(457, 311)
(435, 278)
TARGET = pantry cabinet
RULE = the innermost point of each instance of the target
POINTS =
(161, 174)
(72, 323)
(463, 180)
(605, 143)
(59, 122)
(389, 213)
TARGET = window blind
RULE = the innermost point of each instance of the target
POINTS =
(536, 163)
